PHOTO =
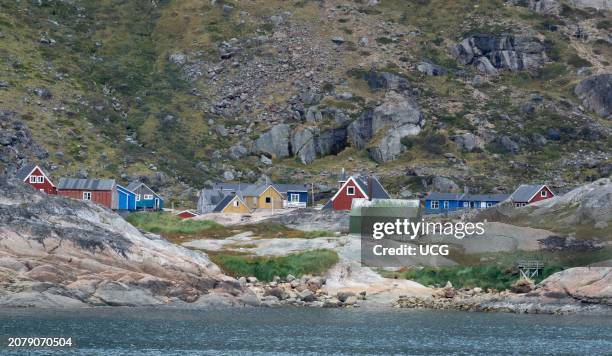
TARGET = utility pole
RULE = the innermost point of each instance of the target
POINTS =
(313, 196)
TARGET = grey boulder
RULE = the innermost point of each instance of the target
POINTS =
(596, 94)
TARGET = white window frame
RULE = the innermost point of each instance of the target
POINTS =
(137, 197)
(445, 204)
(40, 179)
(489, 204)
(32, 179)
(348, 190)
(87, 196)
(268, 198)
(236, 203)
(294, 198)
(543, 193)
(435, 204)
(148, 197)
(466, 204)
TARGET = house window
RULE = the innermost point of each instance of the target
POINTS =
(543, 193)
(473, 204)
(86, 195)
(236, 203)
(435, 204)
(148, 197)
(518, 205)
(40, 179)
(489, 204)
(32, 179)
(446, 204)
(350, 191)
(268, 200)
(294, 198)
(466, 204)
(254, 200)
(137, 197)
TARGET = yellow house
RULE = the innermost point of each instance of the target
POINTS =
(232, 204)
(263, 197)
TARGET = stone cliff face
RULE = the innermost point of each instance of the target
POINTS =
(56, 252)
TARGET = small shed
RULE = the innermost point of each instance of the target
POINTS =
(186, 214)
(126, 199)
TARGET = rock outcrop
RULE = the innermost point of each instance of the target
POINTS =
(491, 53)
(274, 142)
(17, 146)
(548, 7)
(397, 117)
(57, 252)
(596, 94)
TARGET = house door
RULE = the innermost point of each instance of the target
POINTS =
(156, 203)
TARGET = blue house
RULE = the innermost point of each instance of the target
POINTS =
(437, 203)
(296, 195)
(126, 199)
(146, 198)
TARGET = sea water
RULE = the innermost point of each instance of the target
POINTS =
(166, 331)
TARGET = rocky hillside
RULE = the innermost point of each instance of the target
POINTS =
(56, 252)
(430, 94)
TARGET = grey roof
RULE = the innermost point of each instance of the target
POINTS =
(134, 185)
(223, 203)
(377, 190)
(524, 192)
(86, 184)
(211, 196)
(284, 188)
(23, 172)
(229, 186)
(466, 197)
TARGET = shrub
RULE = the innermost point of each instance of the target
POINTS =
(167, 223)
(265, 268)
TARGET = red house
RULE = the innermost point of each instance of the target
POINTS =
(356, 187)
(36, 177)
(186, 214)
(526, 194)
(100, 191)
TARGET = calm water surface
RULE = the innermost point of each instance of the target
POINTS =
(139, 331)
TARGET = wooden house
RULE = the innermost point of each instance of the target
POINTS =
(526, 194)
(436, 203)
(263, 196)
(126, 199)
(100, 191)
(356, 187)
(33, 175)
(146, 198)
(294, 195)
(232, 204)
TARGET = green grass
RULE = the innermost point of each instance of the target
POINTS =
(488, 276)
(169, 224)
(265, 268)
